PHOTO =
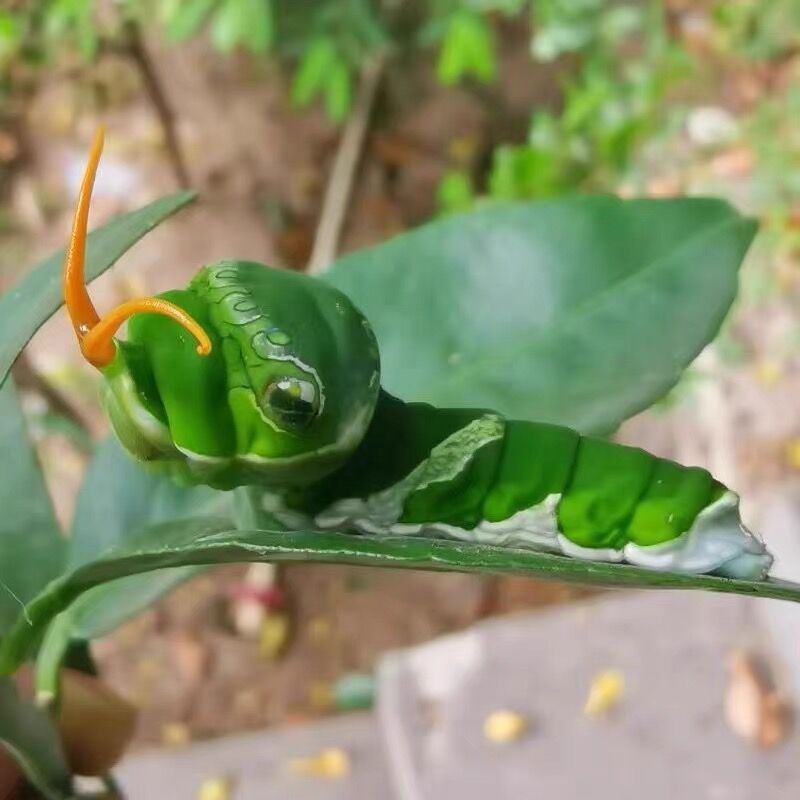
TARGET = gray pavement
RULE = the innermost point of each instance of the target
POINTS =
(257, 765)
(668, 737)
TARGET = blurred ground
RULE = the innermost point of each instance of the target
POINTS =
(680, 724)
(262, 168)
(182, 663)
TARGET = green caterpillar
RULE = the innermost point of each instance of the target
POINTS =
(287, 397)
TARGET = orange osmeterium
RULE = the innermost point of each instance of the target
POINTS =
(95, 335)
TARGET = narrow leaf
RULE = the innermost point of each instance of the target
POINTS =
(118, 499)
(31, 547)
(208, 541)
(27, 306)
(33, 741)
(187, 17)
(311, 74)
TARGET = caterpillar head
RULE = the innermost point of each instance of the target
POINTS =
(249, 376)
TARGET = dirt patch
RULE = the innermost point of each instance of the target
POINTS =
(187, 671)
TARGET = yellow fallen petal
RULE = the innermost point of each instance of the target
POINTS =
(768, 373)
(504, 726)
(175, 734)
(215, 789)
(793, 453)
(330, 763)
(320, 696)
(462, 149)
(319, 630)
(605, 692)
(274, 635)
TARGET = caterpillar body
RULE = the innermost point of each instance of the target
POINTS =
(480, 478)
(288, 397)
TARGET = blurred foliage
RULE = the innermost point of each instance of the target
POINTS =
(467, 49)
(631, 70)
(612, 101)
(324, 41)
(757, 30)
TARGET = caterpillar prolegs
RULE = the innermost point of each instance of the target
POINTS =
(480, 478)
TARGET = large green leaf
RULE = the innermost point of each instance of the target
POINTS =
(579, 311)
(209, 541)
(31, 547)
(26, 307)
(118, 499)
(32, 738)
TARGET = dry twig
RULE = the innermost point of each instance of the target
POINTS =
(340, 185)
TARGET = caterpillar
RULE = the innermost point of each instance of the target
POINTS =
(271, 378)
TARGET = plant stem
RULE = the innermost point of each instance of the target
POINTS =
(340, 186)
(136, 50)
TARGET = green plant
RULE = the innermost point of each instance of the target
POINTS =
(325, 41)
(612, 102)
(467, 49)
(323, 71)
(756, 30)
(231, 23)
(34, 32)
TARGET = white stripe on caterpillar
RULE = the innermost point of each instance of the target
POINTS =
(717, 541)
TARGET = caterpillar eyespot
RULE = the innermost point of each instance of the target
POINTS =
(292, 401)
(288, 398)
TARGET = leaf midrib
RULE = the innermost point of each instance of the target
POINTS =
(409, 552)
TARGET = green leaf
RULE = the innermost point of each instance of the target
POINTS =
(186, 17)
(209, 541)
(523, 172)
(312, 72)
(323, 71)
(227, 25)
(31, 546)
(118, 499)
(106, 607)
(467, 49)
(455, 193)
(578, 311)
(338, 92)
(28, 305)
(260, 26)
(72, 21)
(33, 741)
(10, 36)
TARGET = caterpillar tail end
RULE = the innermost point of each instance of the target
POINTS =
(718, 543)
(747, 566)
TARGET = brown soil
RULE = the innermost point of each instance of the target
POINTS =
(188, 671)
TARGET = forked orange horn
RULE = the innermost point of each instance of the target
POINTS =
(96, 336)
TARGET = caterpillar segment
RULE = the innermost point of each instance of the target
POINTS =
(488, 480)
(271, 404)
